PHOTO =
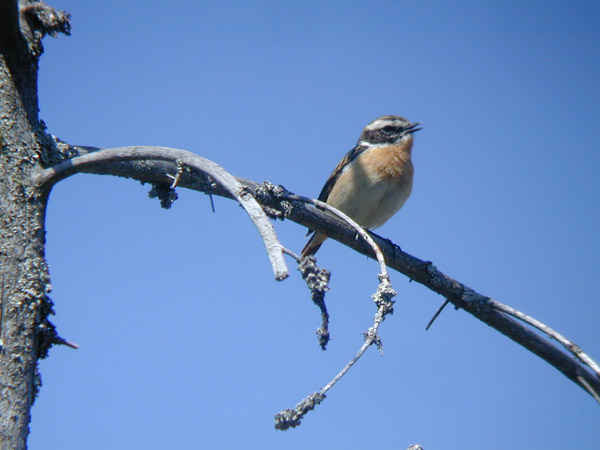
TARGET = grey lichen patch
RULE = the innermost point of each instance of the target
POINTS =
(383, 297)
(275, 194)
(317, 280)
(291, 418)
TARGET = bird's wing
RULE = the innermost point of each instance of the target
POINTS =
(348, 157)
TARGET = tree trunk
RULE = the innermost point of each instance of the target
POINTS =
(25, 333)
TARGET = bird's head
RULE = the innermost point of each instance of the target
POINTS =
(388, 130)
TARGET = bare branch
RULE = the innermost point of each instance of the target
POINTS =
(423, 272)
(589, 388)
(570, 346)
(317, 280)
(291, 418)
(382, 298)
(50, 337)
(48, 177)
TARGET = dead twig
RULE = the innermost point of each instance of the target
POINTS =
(317, 280)
(291, 418)
(181, 158)
(437, 313)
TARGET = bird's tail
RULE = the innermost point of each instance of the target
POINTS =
(313, 244)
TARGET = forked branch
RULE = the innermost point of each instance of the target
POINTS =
(181, 158)
(153, 166)
(291, 418)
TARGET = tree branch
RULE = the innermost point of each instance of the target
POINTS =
(48, 177)
(317, 281)
(291, 418)
(570, 346)
(275, 200)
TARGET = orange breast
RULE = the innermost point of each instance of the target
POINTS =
(390, 162)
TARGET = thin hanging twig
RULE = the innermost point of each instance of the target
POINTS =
(291, 418)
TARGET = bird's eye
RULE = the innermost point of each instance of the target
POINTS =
(388, 129)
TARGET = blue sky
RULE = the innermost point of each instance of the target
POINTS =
(186, 339)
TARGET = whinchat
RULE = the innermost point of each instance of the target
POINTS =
(374, 179)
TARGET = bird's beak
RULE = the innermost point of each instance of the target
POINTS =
(414, 127)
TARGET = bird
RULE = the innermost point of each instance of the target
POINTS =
(374, 179)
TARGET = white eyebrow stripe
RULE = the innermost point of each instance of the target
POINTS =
(380, 123)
